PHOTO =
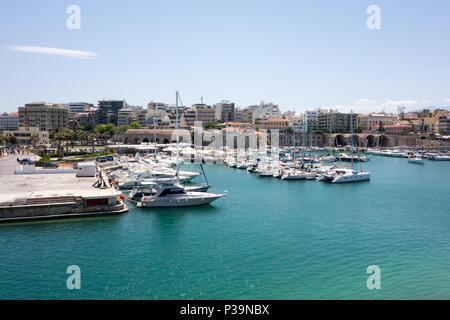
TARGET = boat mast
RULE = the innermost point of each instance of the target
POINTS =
(331, 131)
(176, 129)
(351, 134)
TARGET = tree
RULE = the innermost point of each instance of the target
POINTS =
(11, 140)
(80, 135)
(33, 139)
(290, 130)
(91, 137)
(63, 135)
(135, 125)
(124, 128)
(211, 125)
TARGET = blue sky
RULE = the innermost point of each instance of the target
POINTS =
(298, 54)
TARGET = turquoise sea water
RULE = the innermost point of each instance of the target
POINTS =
(268, 239)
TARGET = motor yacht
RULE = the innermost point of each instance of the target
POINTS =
(177, 196)
(139, 192)
(349, 175)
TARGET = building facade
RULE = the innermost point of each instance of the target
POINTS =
(9, 121)
(29, 135)
(43, 115)
(224, 111)
(108, 111)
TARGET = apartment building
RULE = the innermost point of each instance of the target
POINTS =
(43, 115)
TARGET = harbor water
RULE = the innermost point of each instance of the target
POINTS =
(268, 239)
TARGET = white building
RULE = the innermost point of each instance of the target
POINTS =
(78, 107)
(267, 111)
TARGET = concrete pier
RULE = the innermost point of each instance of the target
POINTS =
(56, 195)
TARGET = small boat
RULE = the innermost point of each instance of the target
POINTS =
(293, 175)
(417, 160)
(441, 158)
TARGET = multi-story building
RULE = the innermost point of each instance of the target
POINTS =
(204, 113)
(375, 120)
(311, 120)
(248, 116)
(188, 118)
(126, 116)
(108, 111)
(141, 117)
(340, 122)
(279, 124)
(299, 123)
(9, 121)
(444, 125)
(82, 119)
(152, 105)
(397, 129)
(29, 135)
(43, 115)
(77, 107)
(224, 111)
(362, 122)
(267, 111)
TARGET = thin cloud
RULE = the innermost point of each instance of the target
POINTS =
(74, 54)
(447, 100)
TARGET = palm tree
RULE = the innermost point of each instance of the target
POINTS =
(80, 135)
(33, 139)
(59, 136)
(92, 137)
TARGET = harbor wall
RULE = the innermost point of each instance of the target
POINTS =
(56, 210)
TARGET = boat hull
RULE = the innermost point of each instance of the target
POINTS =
(188, 202)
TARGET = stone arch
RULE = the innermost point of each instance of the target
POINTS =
(145, 140)
(384, 141)
(136, 141)
(166, 141)
(126, 140)
(340, 140)
(355, 139)
(371, 141)
(157, 140)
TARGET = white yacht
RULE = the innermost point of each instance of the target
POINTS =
(293, 175)
(139, 192)
(265, 171)
(176, 196)
(441, 158)
(417, 160)
(349, 175)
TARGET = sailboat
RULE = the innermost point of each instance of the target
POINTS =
(175, 195)
(344, 175)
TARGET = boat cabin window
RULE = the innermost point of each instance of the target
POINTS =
(169, 191)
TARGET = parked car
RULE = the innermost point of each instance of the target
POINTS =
(25, 161)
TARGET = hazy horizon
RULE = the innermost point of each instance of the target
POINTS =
(297, 54)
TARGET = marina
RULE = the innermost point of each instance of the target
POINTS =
(319, 237)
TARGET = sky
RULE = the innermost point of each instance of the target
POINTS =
(298, 54)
